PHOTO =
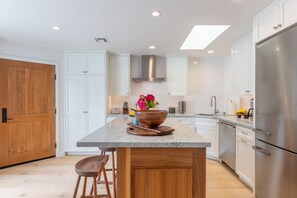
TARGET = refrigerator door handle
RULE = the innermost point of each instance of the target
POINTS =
(257, 148)
(262, 132)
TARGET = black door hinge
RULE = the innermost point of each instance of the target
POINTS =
(55, 111)
(55, 77)
(56, 145)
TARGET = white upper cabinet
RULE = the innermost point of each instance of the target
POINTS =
(277, 16)
(242, 65)
(96, 62)
(75, 63)
(85, 62)
(287, 12)
(119, 75)
(177, 75)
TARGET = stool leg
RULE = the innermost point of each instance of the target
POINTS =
(113, 176)
(76, 187)
(95, 187)
(91, 192)
(106, 182)
(85, 186)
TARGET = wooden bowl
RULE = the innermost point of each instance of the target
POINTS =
(150, 118)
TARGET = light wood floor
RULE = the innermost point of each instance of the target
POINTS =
(56, 177)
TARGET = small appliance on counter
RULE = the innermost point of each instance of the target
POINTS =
(251, 110)
(115, 110)
(171, 110)
(125, 108)
(182, 107)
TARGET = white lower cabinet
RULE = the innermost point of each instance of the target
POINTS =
(207, 128)
(245, 155)
(188, 121)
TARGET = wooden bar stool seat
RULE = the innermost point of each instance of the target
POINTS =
(113, 169)
(92, 167)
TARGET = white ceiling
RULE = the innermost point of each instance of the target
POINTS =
(127, 24)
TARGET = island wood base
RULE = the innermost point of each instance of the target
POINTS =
(161, 172)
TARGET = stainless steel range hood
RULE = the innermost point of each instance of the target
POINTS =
(148, 70)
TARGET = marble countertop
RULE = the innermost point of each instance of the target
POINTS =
(227, 118)
(114, 134)
(238, 121)
(169, 115)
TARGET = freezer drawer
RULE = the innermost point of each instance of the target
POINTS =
(276, 172)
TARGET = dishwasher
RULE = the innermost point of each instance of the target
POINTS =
(227, 143)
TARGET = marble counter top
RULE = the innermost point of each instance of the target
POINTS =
(238, 121)
(114, 134)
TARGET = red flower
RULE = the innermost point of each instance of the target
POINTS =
(142, 104)
(150, 97)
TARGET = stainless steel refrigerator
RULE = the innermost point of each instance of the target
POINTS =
(276, 116)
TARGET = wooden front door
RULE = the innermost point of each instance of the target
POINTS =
(27, 92)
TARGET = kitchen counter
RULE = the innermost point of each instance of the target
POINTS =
(169, 115)
(237, 121)
(231, 119)
(227, 118)
(114, 134)
(155, 162)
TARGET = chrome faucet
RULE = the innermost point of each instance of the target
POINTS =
(215, 104)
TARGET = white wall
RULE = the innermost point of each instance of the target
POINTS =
(29, 52)
(205, 79)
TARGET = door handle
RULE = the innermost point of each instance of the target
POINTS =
(261, 150)
(262, 132)
(4, 116)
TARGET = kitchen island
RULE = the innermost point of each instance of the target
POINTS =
(172, 166)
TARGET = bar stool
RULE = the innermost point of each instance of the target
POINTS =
(113, 169)
(91, 167)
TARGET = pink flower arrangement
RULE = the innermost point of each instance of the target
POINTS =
(146, 102)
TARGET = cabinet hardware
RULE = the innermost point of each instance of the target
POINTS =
(168, 93)
(243, 141)
(262, 132)
(279, 25)
(244, 133)
(274, 27)
(247, 91)
(257, 148)
(85, 111)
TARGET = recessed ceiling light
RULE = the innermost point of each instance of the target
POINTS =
(195, 62)
(152, 47)
(56, 27)
(210, 51)
(202, 35)
(156, 13)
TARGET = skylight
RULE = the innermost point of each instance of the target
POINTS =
(202, 35)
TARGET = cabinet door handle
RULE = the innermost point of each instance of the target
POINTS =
(261, 150)
(243, 141)
(274, 27)
(279, 25)
(85, 111)
(247, 91)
